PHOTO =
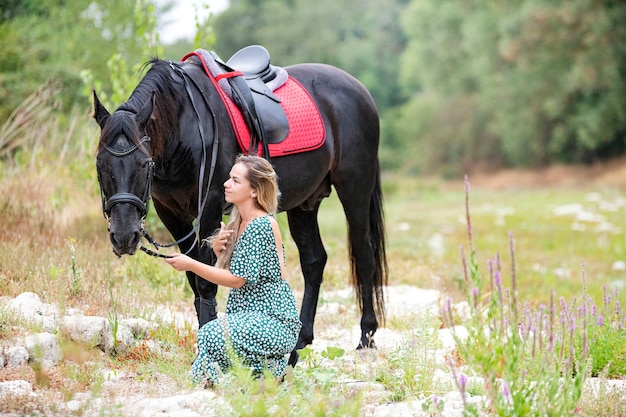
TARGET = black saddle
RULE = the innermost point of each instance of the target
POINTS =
(261, 109)
(254, 62)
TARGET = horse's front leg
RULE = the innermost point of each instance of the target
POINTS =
(305, 232)
(204, 291)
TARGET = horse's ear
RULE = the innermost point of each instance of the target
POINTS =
(145, 112)
(100, 113)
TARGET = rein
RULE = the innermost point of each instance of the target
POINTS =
(201, 201)
(143, 203)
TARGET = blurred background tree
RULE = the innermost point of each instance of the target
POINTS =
(461, 85)
(367, 44)
(515, 83)
(45, 40)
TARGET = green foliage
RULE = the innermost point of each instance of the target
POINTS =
(410, 368)
(442, 136)
(29, 119)
(532, 82)
(301, 393)
(367, 44)
(606, 337)
(124, 69)
(433, 406)
(312, 360)
(151, 273)
(55, 40)
(75, 282)
(528, 360)
(112, 317)
(459, 84)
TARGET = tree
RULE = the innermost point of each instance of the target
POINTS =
(537, 81)
(366, 44)
(55, 40)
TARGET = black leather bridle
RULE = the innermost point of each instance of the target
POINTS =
(143, 203)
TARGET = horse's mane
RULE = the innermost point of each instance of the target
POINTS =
(164, 119)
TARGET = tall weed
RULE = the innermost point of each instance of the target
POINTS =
(527, 359)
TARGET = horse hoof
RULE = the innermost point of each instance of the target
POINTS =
(293, 359)
(368, 345)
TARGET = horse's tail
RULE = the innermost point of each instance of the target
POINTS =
(377, 242)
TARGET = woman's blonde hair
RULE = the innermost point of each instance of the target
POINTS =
(264, 181)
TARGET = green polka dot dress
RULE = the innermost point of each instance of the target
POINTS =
(261, 324)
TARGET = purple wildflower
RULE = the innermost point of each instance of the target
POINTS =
(600, 320)
(506, 391)
(475, 296)
(462, 383)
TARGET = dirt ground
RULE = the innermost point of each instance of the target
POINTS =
(609, 173)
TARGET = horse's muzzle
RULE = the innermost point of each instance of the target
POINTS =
(125, 243)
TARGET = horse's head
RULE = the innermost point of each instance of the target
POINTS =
(125, 169)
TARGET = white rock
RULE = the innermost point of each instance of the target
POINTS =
(619, 266)
(141, 328)
(91, 330)
(196, 404)
(16, 356)
(123, 339)
(408, 299)
(44, 348)
(30, 305)
(16, 388)
(73, 405)
(447, 336)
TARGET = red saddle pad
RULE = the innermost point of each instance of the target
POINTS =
(306, 126)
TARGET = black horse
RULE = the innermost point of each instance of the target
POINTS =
(174, 141)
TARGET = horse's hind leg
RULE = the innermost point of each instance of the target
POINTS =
(306, 234)
(366, 271)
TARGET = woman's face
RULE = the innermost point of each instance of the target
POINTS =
(237, 188)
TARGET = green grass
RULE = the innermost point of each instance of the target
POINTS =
(54, 242)
(426, 230)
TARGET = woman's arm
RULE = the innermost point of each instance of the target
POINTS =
(215, 275)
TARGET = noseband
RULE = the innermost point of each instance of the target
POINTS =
(142, 203)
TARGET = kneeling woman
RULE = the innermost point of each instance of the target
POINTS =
(261, 324)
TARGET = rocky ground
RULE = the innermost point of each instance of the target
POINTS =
(129, 395)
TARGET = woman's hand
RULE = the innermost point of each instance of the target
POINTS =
(221, 240)
(180, 262)
(212, 274)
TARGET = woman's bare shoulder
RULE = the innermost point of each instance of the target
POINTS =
(275, 227)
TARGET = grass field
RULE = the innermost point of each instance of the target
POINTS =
(53, 241)
(560, 235)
